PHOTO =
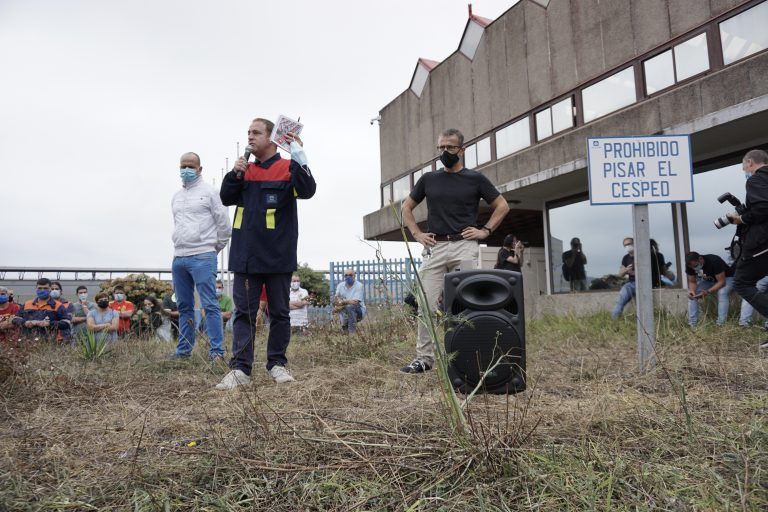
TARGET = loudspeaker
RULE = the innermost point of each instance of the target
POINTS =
(486, 321)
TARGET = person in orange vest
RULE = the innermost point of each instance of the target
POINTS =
(43, 317)
(124, 307)
(8, 310)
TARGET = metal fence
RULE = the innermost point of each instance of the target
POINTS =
(384, 281)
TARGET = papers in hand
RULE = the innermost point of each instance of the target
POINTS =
(283, 126)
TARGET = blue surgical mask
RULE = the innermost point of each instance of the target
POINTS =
(119, 297)
(350, 280)
(219, 292)
(3, 299)
(188, 174)
(83, 297)
(43, 294)
(55, 294)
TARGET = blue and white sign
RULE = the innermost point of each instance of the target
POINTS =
(638, 170)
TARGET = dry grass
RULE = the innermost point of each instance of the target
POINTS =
(131, 431)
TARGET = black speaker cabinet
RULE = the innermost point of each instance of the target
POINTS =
(486, 320)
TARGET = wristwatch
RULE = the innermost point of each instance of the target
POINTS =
(489, 230)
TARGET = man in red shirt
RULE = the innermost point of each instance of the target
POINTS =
(8, 309)
(124, 307)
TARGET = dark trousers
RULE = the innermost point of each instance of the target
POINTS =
(246, 292)
(748, 272)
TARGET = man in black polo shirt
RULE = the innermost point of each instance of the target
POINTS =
(451, 240)
(708, 274)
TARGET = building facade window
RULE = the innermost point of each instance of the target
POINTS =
(691, 57)
(555, 119)
(513, 138)
(745, 33)
(386, 194)
(401, 188)
(702, 235)
(601, 230)
(419, 79)
(610, 94)
(470, 156)
(471, 39)
(680, 62)
(418, 174)
(483, 151)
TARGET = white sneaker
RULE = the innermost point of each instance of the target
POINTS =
(280, 375)
(234, 379)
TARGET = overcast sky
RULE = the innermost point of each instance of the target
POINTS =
(98, 99)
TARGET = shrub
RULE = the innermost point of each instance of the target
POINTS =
(316, 284)
(138, 287)
(92, 345)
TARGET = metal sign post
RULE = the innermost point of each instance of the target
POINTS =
(638, 171)
(646, 330)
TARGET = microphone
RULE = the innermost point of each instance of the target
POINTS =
(246, 156)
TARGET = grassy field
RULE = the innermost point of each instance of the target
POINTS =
(131, 431)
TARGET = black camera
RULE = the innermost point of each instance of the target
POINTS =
(723, 221)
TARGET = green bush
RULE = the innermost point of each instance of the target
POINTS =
(138, 287)
(316, 284)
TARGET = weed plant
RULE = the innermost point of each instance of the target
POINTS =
(133, 431)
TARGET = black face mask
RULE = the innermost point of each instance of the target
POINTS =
(103, 304)
(449, 159)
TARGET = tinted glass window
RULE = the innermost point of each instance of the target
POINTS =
(601, 230)
(483, 151)
(610, 94)
(562, 115)
(543, 124)
(659, 72)
(745, 33)
(470, 157)
(703, 237)
(513, 138)
(691, 57)
(401, 188)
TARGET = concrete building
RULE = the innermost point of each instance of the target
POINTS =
(528, 88)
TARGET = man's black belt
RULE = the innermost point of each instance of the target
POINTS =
(454, 237)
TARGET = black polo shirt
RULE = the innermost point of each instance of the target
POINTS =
(713, 265)
(453, 199)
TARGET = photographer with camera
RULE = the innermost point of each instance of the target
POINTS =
(574, 262)
(752, 220)
(708, 274)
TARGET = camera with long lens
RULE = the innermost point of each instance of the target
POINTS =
(723, 221)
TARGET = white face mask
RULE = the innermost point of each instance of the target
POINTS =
(630, 248)
(295, 285)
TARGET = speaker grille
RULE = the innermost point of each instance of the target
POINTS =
(479, 342)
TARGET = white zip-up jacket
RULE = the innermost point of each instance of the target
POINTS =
(200, 222)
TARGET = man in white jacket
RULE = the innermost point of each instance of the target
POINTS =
(201, 229)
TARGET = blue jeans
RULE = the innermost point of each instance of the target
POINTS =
(746, 308)
(625, 295)
(723, 300)
(350, 315)
(190, 272)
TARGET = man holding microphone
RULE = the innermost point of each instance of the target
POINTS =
(263, 250)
